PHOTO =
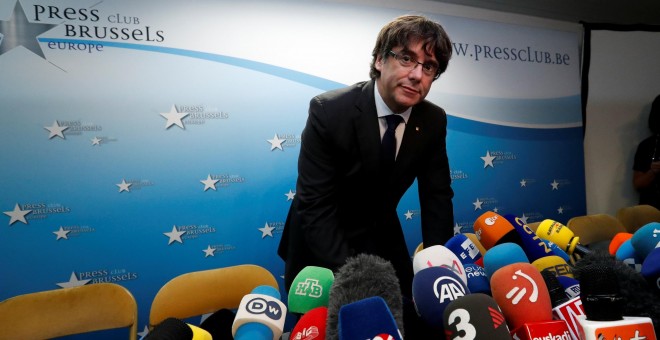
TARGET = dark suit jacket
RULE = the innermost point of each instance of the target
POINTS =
(345, 203)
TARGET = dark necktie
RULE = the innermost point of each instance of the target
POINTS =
(388, 144)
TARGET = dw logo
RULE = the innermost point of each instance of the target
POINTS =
(260, 306)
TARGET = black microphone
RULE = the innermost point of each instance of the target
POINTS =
(219, 324)
(363, 276)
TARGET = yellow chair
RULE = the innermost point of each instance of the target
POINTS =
(637, 216)
(67, 311)
(595, 227)
(202, 292)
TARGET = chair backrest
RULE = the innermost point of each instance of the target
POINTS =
(202, 292)
(68, 311)
(595, 227)
(637, 216)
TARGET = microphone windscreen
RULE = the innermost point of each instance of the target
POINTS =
(170, 329)
(433, 289)
(571, 286)
(475, 316)
(502, 255)
(310, 289)
(492, 229)
(365, 319)
(553, 264)
(651, 269)
(600, 293)
(260, 315)
(521, 293)
(534, 247)
(640, 299)
(473, 237)
(627, 254)
(646, 238)
(219, 324)
(439, 256)
(555, 289)
(617, 240)
(464, 248)
(477, 280)
(557, 251)
(559, 234)
(311, 325)
(361, 277)
(200, 333)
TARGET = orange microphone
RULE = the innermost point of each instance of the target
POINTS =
(617, 241)
(492, 229)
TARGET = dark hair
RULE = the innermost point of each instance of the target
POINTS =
(404, 29)
(654, 116)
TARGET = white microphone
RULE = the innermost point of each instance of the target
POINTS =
(260, 315)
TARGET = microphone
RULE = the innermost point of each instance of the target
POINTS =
(310, 289)
(571, 286)
(502, 255)
(617, 240)
(176, 329)
(521, 293)
(433, 289)
(603, 307)
(477, 279)
(557, 251)
(646, 238)
(627, 254)
(651, 269)
(464, 248)
(311, 325)
(562, 236)
(553, 264)
(474, 316)
(492, 229)
(219, 324)
(367, 318)
(439, 256)
(639, 298)
(475, 240)
(260, 315)
(534, 247)
(563, 308)
(361, 277)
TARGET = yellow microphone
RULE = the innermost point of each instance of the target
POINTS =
(553, 264)
(560, 235)
(199, 333)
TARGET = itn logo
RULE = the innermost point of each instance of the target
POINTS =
(309, 287)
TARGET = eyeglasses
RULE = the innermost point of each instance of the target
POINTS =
(428, 68)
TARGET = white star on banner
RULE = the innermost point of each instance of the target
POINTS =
(524, 219)
(209, 251)
(457, 229)
(144, 332)
(523, 183)
(266, 231)
(488, 160)
(477, 204)
(209, 183)
(17, 215)
(96, 141)
(62, 234)
(56, 130)
(174, 235)
(123, 186)
(174, 117)
(409, 215)
(555, 185)
(73, 282)
(560, 211)
(276, 143)
(289, 195)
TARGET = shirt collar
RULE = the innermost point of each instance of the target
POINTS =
(383, 110)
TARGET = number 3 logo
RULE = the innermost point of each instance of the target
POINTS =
(462, 324)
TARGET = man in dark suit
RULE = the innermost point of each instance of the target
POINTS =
(347, 191)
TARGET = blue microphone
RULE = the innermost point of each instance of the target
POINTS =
(502, 255)
(260, 315)
(433, 289)
(464, 248)
(477, 279)
(366, 318)
(533, 245)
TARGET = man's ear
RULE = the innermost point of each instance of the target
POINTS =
(379, 63)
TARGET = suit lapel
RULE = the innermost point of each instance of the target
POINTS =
(366, 127)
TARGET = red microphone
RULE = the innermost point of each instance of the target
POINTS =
(521, 293)
(311, 325)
